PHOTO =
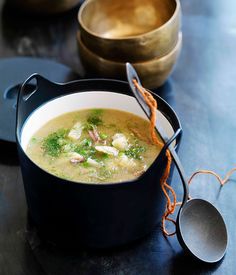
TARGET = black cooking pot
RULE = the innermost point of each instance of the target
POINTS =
(94, 215)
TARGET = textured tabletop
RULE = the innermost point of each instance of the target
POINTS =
(202, 90)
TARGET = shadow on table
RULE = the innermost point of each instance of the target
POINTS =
(150, 255)
(186, 264)
(140, 256)
(8, 154)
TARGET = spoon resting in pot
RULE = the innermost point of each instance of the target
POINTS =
(200, 227)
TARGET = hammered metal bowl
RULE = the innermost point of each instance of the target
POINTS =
(153, 73)
(134, 30)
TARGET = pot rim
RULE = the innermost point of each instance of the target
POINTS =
(98, 185)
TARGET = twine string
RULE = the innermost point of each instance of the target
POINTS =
(169, 193)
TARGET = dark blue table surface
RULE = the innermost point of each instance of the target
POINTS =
(202, 90)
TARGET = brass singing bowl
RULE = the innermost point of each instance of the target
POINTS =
(134, 30)
(44, 6)
(153, 73)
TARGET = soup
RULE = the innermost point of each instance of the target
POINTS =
(94, 146)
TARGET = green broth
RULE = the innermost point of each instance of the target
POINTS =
(94, 146)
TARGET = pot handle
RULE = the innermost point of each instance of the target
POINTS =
(176, 135)
(177, 163)
(31, 85)
(29, 97)
(25, 93)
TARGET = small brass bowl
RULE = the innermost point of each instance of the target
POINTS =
(153, 73)
(132, 30)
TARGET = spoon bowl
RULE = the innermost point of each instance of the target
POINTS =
(201, 230)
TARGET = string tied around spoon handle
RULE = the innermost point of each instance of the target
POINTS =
(170, 205)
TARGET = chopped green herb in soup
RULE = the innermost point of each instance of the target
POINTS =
(98, 145)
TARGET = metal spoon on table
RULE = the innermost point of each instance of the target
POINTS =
(200, 227)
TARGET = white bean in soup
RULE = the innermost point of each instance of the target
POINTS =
(94, 146)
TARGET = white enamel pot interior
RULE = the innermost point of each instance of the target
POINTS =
(84, 100)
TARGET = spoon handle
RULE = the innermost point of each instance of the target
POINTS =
(131, 75)
(182, 175)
